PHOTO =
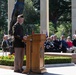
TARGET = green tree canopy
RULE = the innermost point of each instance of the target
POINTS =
(59, 10)
(3, 15)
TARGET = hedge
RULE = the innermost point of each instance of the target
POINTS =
(9, 60)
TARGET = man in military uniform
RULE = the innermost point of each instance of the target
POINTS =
(19, 45)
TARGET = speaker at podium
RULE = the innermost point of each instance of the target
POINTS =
(35, 53)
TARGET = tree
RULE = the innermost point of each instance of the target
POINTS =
(3, 15)
(59, 10)
(3, 18)
(32, 16)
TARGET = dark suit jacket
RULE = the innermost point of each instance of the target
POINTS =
(18, 35)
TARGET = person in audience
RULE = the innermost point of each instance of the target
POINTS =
(74, 40)
(74, 43)
(64, 45)
(47, 45)
(11, 48)
(56, 44)
(5, 44)
(70, 44)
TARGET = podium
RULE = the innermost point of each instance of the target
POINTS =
(35, 54)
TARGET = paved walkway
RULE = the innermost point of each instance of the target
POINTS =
(56, 69)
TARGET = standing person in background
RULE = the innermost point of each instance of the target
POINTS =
(19, 45)
(5, 44)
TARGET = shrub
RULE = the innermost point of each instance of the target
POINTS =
(9, 60)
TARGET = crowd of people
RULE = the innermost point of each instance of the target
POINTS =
(53, 44)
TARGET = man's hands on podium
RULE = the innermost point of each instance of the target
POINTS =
(25, 38)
